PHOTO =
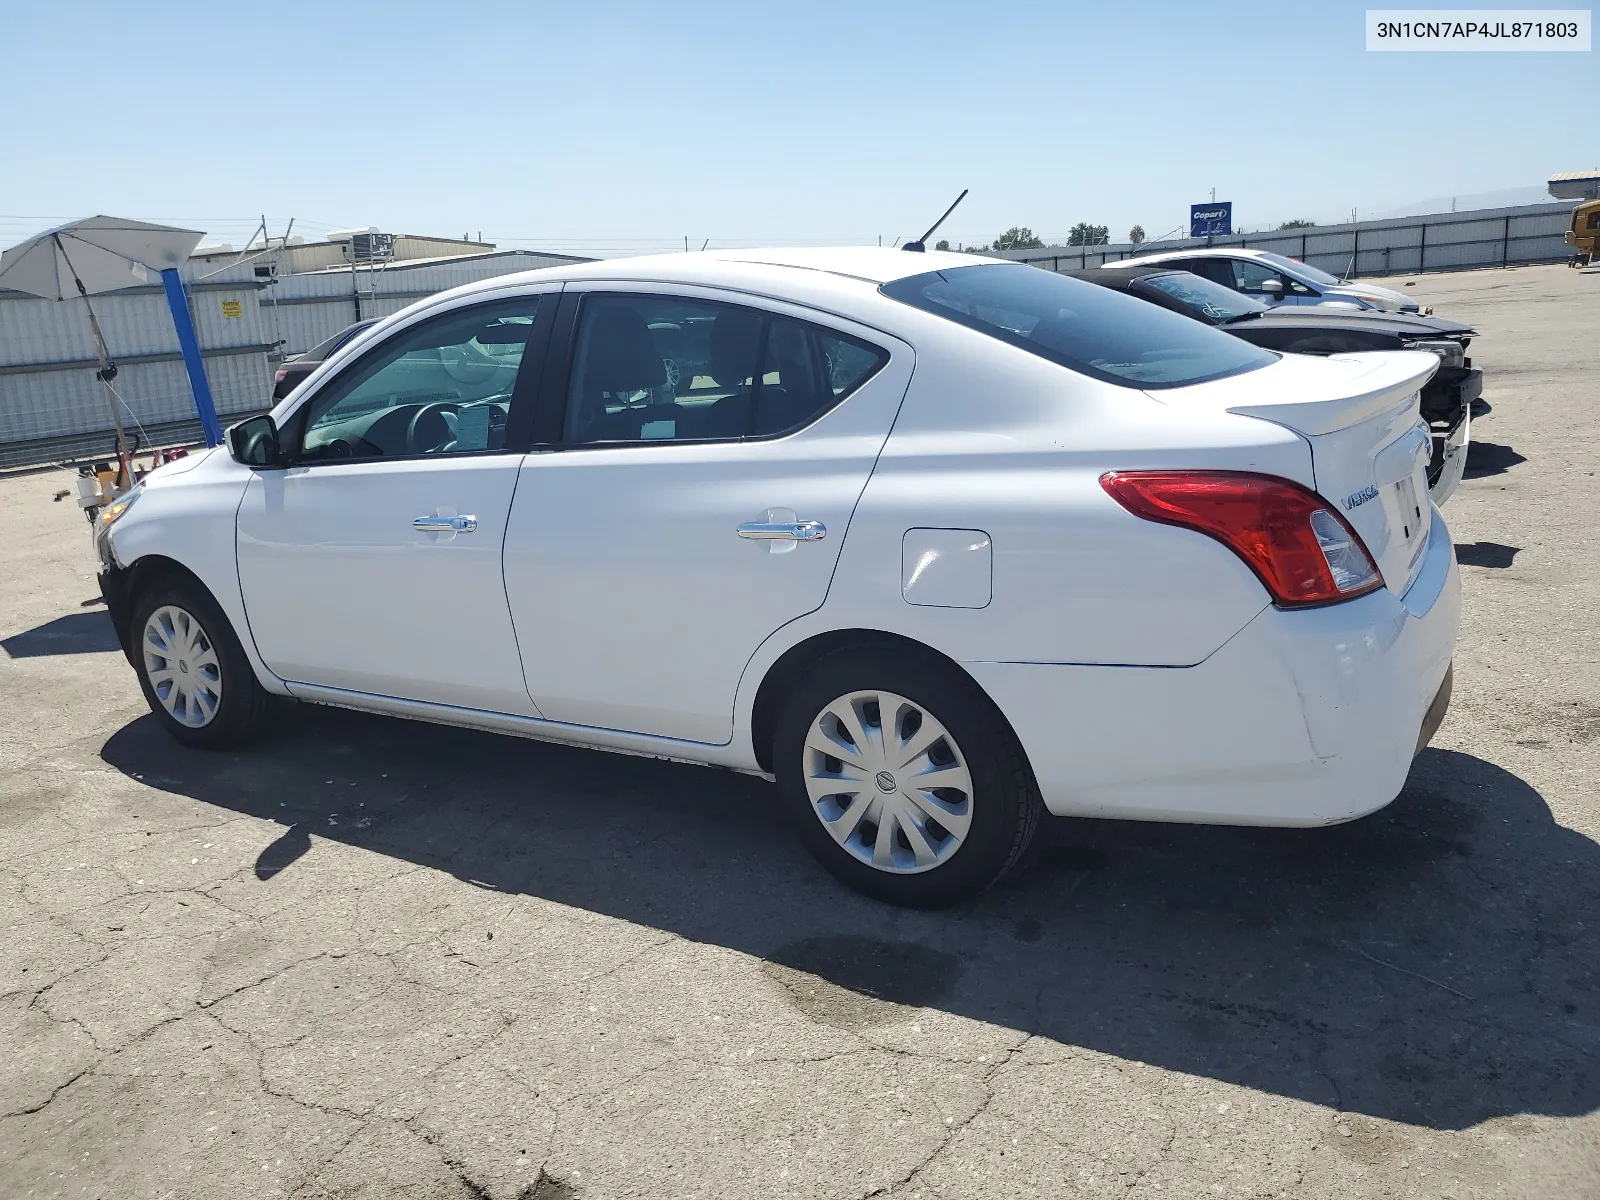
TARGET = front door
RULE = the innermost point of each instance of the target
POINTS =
(371, 564)
(694, 498)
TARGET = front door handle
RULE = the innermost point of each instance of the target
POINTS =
(467, 524)
(784, 531)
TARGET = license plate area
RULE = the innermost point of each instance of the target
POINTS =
(1409, 508)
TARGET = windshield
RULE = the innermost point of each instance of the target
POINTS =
(1304, 270)
(1211, 300)
(1089, 329)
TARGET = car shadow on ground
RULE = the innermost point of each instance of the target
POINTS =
(1434, 963)
(1486, 554)
(1490, 458)
(75, 633)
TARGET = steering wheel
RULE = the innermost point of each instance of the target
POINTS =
(444, 412)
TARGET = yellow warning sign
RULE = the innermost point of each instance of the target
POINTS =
(232, 308)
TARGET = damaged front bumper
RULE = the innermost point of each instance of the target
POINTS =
(1447, 408)
(117, 594)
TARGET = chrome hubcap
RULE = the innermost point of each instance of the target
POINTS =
(181, 664)
(888, 782)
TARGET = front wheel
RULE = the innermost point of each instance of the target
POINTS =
(903, 779)
(191, 667)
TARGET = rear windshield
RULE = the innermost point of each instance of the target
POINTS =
(1090, 329)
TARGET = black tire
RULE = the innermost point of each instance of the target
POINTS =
(244, 705)
(1004, 806)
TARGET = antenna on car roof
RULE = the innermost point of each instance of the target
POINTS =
(921, 243)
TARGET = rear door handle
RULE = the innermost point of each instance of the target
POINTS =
(784, 531)
(467, 524)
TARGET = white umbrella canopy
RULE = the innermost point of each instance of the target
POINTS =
(102, 253)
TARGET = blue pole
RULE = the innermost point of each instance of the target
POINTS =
(178, 302)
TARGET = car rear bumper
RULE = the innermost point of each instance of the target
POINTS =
(1305, 717)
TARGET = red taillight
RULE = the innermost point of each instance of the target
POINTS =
(280, 375)
(1303, 552)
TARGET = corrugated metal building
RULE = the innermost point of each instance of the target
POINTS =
(248, 315)
(1575, 185)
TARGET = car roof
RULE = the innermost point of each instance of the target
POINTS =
(1121, 279)
(1179, 255)
(777, 271)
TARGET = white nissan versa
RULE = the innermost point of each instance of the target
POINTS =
(936, 541)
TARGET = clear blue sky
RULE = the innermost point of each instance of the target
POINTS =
(622, 126)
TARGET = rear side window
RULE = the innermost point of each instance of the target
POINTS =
(1093, 330)
(664, 368)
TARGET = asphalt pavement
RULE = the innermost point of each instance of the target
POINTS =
(374, 959)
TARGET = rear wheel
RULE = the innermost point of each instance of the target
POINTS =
(902, 779)
(191, 667)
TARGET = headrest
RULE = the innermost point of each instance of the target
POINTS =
(733, 346)
(620, 355)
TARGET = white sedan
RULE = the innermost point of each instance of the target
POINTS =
(939, 543)
(1274, 278)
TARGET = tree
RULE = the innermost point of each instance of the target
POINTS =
(942, 244)
(1298, 224)
(1136, 234)
(1084, 234)
(1018, 237)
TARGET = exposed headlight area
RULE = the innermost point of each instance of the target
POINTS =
(110, 514)
(1451, 352)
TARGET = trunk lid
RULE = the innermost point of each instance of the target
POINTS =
(1369, 447)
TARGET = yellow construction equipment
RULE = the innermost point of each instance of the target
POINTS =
(1584, 236)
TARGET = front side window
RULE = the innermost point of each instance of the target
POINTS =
(440, 387)
(1081, 326)
(664, 368)
(1248, 276)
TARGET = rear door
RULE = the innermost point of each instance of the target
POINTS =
(691, 497)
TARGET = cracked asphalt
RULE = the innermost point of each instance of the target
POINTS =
(368, 958)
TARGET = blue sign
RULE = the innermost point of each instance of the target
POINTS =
(1208, 220)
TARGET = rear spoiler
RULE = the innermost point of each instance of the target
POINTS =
(1391, 376)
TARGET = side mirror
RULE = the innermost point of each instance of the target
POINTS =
(255, 443)
(1272, 289)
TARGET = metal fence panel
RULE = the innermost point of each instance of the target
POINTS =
(51, 404)
(1400, 245)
